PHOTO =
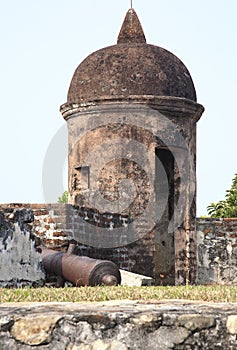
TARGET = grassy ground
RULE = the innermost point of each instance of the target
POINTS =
(203, 293)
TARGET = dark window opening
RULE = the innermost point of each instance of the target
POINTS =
(165, 179)
(81, 178)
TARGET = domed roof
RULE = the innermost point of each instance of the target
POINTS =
(132, 67)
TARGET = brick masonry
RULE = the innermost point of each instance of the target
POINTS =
(56, 225)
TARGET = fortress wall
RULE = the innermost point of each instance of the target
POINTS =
(23, 227)
(217, 251)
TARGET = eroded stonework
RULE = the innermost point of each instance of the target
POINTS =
(54, 225)
(131, 113)
(217, 251)
(123, 325)
(20, 263)
(132, 67)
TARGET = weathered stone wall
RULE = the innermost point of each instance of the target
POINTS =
(216, 251)
(56, 225)
(136, 156)
(118, 325)
(20, 263)
(48, 222)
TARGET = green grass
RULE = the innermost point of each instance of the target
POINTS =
(85, 294)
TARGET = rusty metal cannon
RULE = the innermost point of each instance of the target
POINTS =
(79, 270)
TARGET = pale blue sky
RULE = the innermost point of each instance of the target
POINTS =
(42, 42)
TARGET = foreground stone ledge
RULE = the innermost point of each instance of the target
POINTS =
(118, 325)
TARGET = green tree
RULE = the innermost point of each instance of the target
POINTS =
(63, 198)
(225, 208)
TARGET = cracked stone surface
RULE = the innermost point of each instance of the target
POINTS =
(118, 325)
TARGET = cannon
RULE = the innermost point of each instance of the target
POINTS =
(79, 270)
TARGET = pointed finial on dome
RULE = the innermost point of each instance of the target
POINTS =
(131, 30)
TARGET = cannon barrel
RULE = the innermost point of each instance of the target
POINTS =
(80, 270)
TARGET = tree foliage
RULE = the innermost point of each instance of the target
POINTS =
(63, 198)
(225, 208)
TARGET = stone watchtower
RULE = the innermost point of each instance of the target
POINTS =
(131, 113)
